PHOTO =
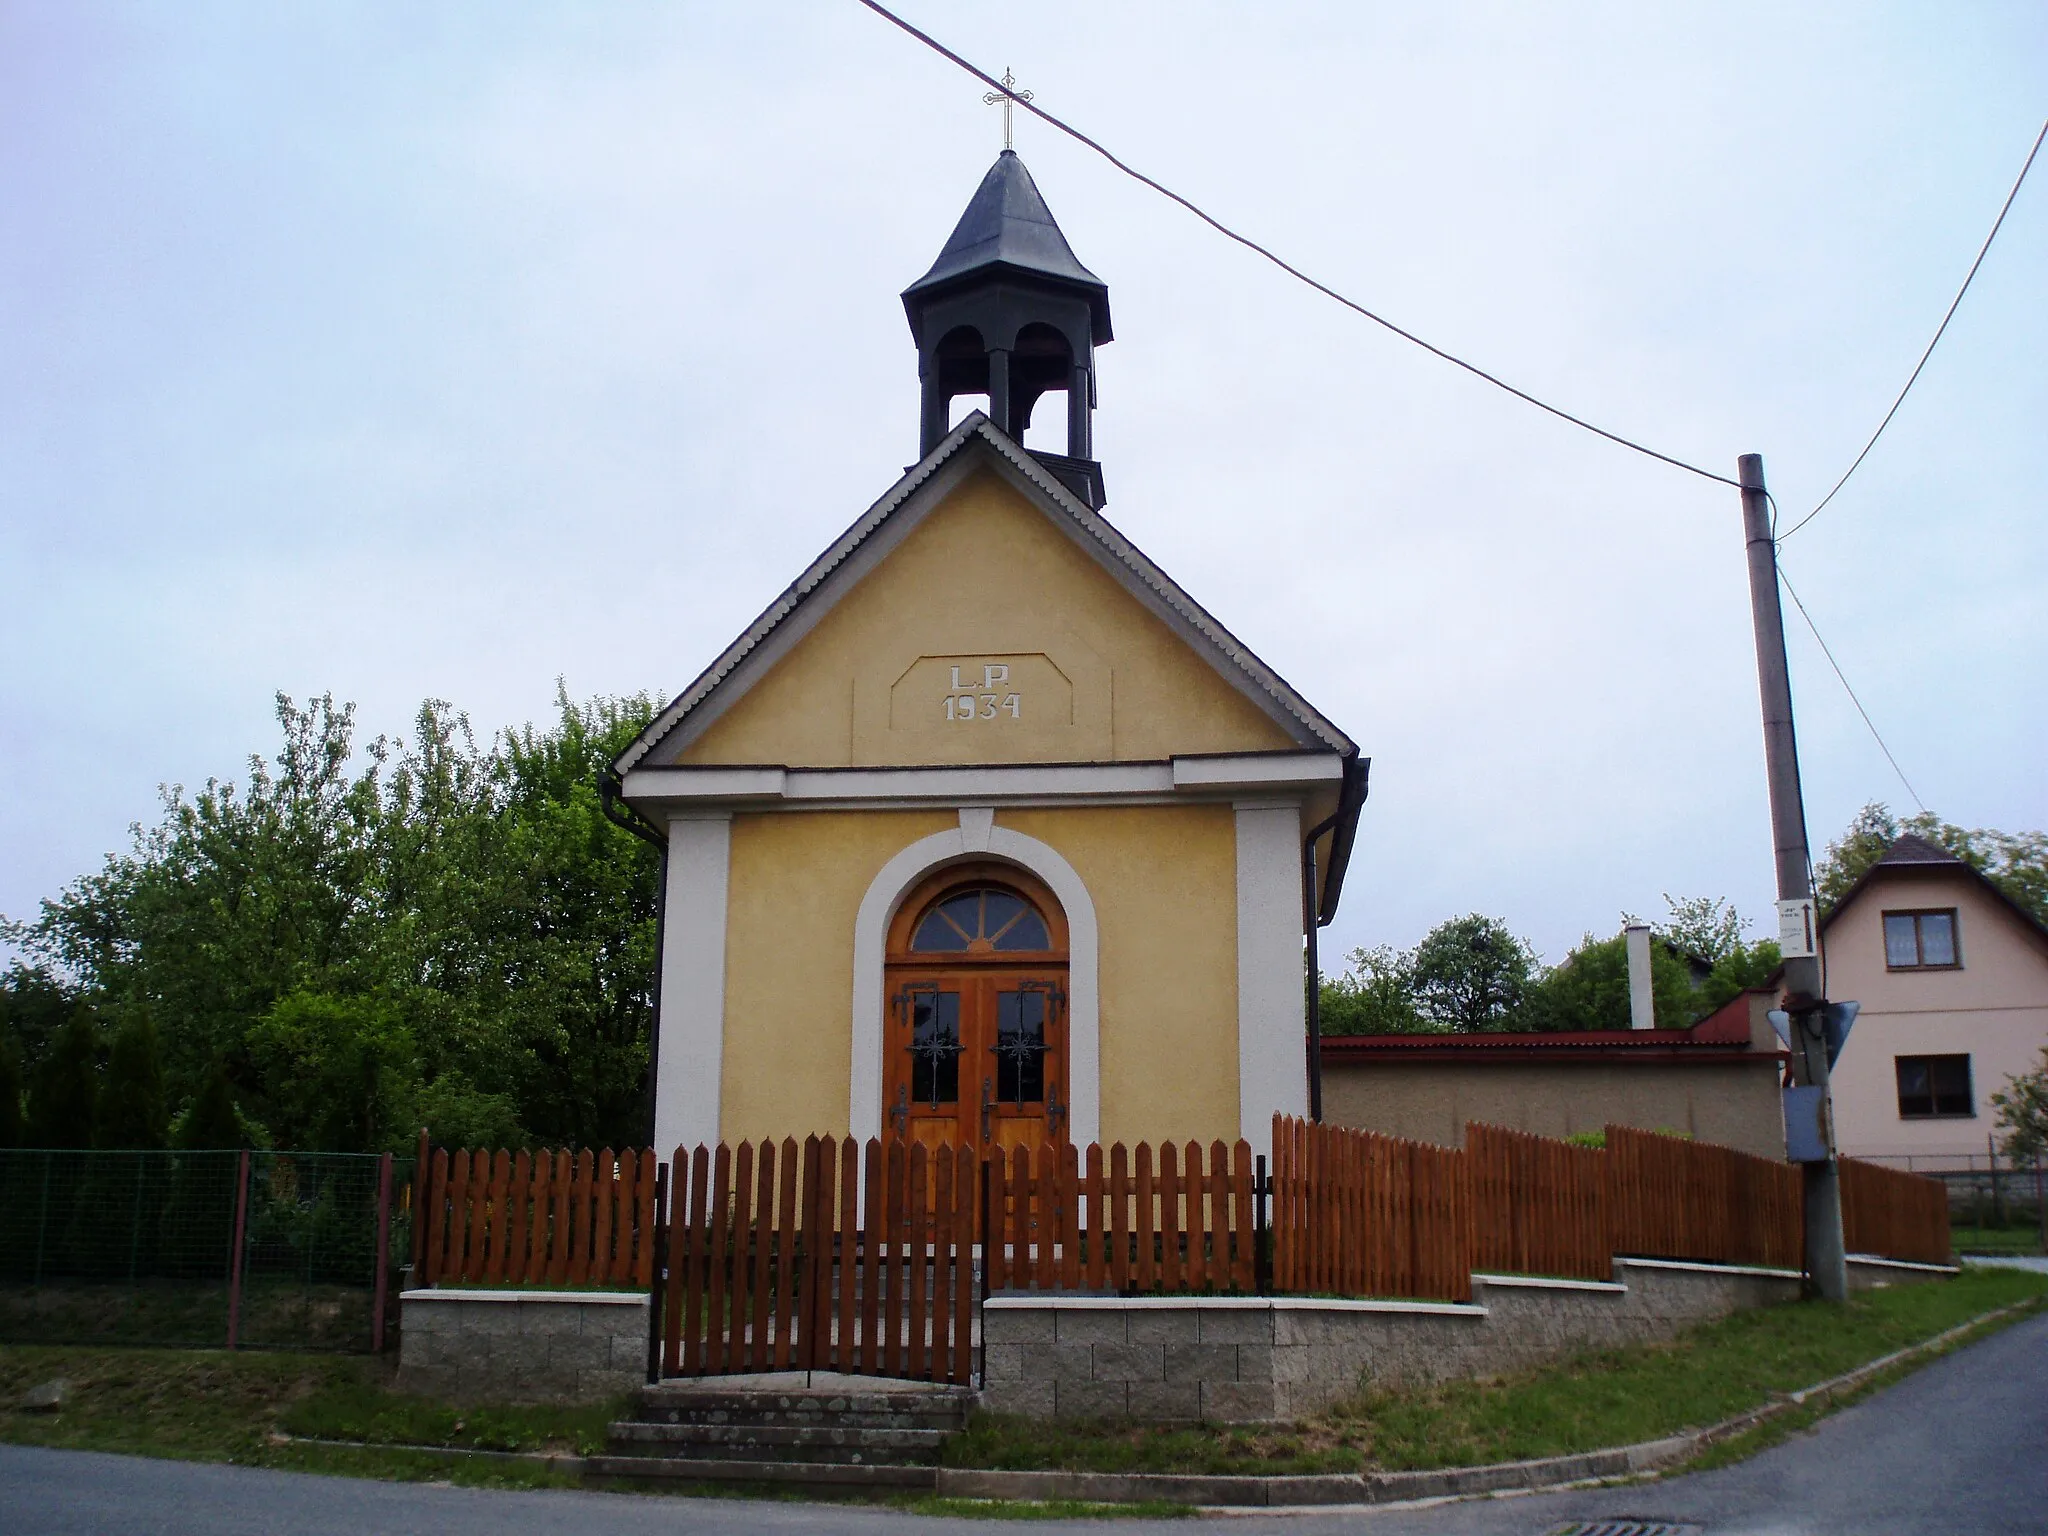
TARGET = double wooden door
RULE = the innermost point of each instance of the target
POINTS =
(977, 1016)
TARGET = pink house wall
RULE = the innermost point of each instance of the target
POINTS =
(1994, 1009)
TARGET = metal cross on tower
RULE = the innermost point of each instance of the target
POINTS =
(1006, 95)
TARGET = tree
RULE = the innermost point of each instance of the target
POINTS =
(2023, 1113)
(1375, 996)
(2015, 862)
(1589, 989)
(63, 1097)
(477, 893)
(1470, 973)
(1706, 926)
(34, 1005)
(211, 1122)
(11, 1126)
(1711, 928)
(131, 1106)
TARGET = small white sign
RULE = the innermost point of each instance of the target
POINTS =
(1796, 930)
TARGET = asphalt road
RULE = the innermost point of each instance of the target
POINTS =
(1958, 1449)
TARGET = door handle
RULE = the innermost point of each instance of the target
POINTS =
(988, 1105)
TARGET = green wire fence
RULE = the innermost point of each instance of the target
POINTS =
(261, 1250)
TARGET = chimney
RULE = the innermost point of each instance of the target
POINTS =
(1642, 1013)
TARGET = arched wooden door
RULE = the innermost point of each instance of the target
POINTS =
(976, 1044)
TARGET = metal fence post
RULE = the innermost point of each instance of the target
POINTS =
(235, 1254)
(419, 1206)
(658, 1291)
(1262, 1227)
(43, 1219)
(383, 1254)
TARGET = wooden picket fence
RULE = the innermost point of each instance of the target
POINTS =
(1894, 1214)
(1360, 1214)
(1134, 1220)
(829, 1256)
(1670, 1198)
(535, 1218)
(1539, 1207)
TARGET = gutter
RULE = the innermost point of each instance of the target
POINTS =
(1343, 822)
(620, 814)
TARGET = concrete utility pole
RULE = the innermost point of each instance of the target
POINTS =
(1798, 929)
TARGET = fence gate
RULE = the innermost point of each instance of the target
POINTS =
(829, 1256)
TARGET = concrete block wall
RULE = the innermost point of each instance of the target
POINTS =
(1250, 1359)
(555, 1346)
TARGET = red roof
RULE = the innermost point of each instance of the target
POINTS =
(1720, 1037)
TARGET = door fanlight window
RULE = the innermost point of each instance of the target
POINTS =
(977, 974)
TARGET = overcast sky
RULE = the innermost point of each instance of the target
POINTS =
(407, 351)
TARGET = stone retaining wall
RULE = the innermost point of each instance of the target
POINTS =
(557, 1346)
(1248, 1359)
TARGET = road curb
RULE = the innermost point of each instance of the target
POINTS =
(1240, 1490)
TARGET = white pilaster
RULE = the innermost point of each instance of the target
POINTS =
(1272, 1069)
(689, 1073)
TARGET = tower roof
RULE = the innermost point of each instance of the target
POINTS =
(1008, 227)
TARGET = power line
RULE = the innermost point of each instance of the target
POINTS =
(2004, 209)
(1285, 266)
(1815, 629)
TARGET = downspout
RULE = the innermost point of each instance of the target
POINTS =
(620, 814)
(1350, 798)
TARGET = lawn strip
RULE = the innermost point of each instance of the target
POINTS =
(1596, 1400)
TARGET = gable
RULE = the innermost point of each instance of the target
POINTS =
(1056, 660)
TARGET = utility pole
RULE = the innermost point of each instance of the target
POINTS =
(1798, 928)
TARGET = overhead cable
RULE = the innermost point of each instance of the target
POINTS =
(1874, 736)
(1954, 303)
(1022, 100)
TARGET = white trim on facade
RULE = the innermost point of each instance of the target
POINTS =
(976, 837)
(1180, 777)
(1257, 770)
(689, 1075)
(1272, 1070)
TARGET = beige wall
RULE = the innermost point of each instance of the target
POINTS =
(797, 880)
(1163, 881)
(986, 577)
(1994, 1009)
(1732, 1105)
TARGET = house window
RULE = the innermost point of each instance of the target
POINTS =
(1920, 941)
(1933, 1087)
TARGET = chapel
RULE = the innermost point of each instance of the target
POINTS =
(1034, 856)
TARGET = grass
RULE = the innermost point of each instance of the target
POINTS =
(276, 1313)
(1600, 1399)
(246, 1407)
(258, 1409)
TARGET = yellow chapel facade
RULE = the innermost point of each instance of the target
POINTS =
(983, 873)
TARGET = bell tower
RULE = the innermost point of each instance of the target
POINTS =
(1008, 311)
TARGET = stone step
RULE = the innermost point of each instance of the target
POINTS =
(779, 1442)
(766, 1416)
(846, 1402)
(793, 1474)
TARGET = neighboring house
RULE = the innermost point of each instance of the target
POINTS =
(1717, 1081)
(1953, 978)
